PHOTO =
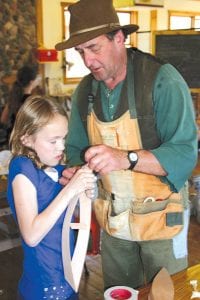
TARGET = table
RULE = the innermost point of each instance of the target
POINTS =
(182, 287)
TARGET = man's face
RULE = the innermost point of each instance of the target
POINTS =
(103, 56)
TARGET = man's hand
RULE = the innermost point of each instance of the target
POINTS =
(104, 159)
(67, 175)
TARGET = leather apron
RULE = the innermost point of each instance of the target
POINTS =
(131, 205)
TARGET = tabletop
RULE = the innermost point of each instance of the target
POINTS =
(182, 286)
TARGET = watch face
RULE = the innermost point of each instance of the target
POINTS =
(133, 156)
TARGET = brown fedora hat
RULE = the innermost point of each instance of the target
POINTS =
(90, 19)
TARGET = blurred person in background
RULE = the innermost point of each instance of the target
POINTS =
(27, 79)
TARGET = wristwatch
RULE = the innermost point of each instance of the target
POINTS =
(133, 159)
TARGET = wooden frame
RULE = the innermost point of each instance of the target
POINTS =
(39, 13)
(157, 3)
(40, 36)
(73, 267)
(176, 13)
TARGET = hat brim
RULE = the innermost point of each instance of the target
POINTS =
(81, 38)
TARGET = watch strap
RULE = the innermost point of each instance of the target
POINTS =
(132, 163)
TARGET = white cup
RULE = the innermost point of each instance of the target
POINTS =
(121, 293)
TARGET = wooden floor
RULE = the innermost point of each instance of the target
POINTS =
(91, 286)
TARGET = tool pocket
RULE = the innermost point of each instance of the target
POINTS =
(102, 209)
(157, 224)
(145, 221)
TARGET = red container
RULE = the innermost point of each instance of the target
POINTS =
(120, 294)
(45, 55)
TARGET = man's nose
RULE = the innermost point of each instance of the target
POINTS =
(88, 58)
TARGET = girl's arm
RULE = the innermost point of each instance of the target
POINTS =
(34, 226)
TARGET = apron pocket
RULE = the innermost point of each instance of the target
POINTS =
(163, 224)
(102, 208)
(146, 224)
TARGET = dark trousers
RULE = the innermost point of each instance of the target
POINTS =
(134, 264)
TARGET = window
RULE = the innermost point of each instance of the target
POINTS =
(124, 19)
(184, 20)
(180, 22)
(197, 22)
(73, 66)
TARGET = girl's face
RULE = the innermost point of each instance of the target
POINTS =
(49, 142)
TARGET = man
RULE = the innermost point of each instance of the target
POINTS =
(136, 114)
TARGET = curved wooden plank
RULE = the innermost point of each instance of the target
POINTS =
(73, 266)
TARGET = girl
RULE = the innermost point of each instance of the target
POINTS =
(36, 198)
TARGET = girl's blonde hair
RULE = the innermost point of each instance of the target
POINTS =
(34, 114)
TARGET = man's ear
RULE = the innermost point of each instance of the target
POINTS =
(119, 37)
(26, 140)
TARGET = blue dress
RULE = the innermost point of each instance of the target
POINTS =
(43, 275)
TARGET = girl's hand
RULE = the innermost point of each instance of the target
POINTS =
(82, 180)
(67, 174)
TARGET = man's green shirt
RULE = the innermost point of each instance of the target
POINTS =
(175, 123)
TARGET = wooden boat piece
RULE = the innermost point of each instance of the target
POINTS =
(162, 287)
(73, 266)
